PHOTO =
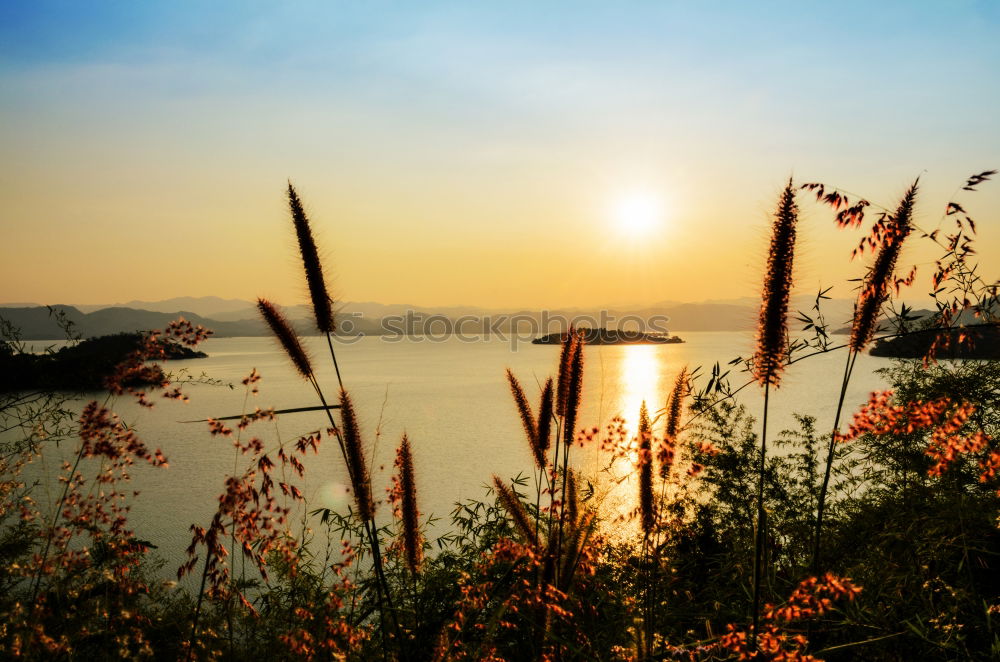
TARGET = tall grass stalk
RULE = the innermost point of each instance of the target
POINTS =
(350, 445)
(874, 291)
(830, 457)
(543, 442)
(760, 532)
(574, 392)
(647, 519)
(563, 380)
(349, 438)
(412, 545)
(771, 355)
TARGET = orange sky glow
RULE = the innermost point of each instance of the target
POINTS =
(457, 154)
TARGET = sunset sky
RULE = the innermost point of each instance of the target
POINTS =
(495, 154)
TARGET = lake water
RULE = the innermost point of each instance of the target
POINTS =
(450, 397)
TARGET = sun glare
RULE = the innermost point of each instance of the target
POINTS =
(637, 214)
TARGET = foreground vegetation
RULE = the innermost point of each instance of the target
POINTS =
(879, 542)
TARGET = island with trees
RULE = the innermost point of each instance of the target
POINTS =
(83, 366)
(604, 336)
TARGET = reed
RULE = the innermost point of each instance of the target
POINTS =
(412, 543)
(574, 388)
(879, 279)
(577, 541)
(565, 368)
(516, 510)
(572, 375)
(543, 436)
(348, 433)
(287, 337)
(524, 410)
(646, 507)
(360, 478)
(771, 355)
(874, 291)
(772, 326)
(321, 301)
(675, 407)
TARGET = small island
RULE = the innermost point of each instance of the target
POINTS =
(610, 337)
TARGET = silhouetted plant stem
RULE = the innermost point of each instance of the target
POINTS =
(333, 356)
(197, 609)
(771, 356)
(647, 576)
(821, 500)
(758, 557)
(562, 503)
(552, 482)
(538, 496)
(573, 379)
(381, 583)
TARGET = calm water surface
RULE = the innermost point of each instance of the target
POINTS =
(450, 397)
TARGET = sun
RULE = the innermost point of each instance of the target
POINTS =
(637, 214)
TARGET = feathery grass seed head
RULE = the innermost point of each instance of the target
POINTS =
(772, 327)
(516, 510)
(412, 543)
(565, 366)
(646, 471)
(358, 469)
(574, 390)
(286, 335)
(675, 407)
(876, 285)
(544, 429)
(524, 409)
(322, 306)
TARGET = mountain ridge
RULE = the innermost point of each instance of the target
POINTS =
(239, 318)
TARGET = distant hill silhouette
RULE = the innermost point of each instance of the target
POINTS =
(236, 317)
(38, 324)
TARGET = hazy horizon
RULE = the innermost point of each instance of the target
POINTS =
(744, 300)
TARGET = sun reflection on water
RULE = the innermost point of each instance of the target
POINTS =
(642, 376)
(642, 379)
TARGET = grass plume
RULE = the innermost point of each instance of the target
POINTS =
(412, 544)
(646, 509)
(565, 367)
(770, 356)
(360, 479)
(772, 327)
(321, 301)
(574, 386)
(874, 291)
(543, 431)
(675, 407)
(516, 510)
(286, 335)
(879, 279)
(524, 409)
